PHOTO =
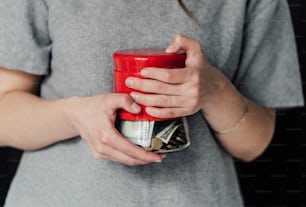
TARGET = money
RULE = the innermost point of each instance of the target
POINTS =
(160, 137)
(138, 132)
(166, 134)
(156, 143)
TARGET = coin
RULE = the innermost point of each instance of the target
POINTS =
(156, 143)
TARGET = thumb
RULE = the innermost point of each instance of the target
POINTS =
(191, 46)
(182, 42)
(126, 102)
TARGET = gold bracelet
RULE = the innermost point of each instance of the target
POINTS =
(241, 120)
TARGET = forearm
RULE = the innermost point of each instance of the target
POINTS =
(29, 122)
(224, 110)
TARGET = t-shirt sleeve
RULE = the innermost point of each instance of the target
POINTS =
(24, 36)
(269, 70)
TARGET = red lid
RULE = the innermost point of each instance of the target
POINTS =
(134, 60)
(131, 61)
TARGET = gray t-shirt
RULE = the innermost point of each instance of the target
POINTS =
(71, 42)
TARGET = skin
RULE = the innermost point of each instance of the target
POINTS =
(176, 92)
(201, 87)
(25, 119)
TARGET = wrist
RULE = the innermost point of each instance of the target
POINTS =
(69, 108)
(238, 123)
(225, 106)
(219, 91)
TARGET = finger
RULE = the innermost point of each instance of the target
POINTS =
(180, 42)
(108, 153)
(167, 112)
(158, 100)
(151, 86)
(195, 54)
(173, 76)
(123, 101)
(125, 146)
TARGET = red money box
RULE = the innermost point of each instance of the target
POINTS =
(129, 63)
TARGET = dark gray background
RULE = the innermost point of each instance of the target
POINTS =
(278, 177)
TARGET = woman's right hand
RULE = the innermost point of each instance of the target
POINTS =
(94, 117)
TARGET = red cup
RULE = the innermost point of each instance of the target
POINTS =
(129, 63)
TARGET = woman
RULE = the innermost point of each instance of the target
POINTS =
(62, 50)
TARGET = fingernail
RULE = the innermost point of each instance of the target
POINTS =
(149, 110)
(134, 95)
(144, 72)
(163, 156)
(129, 82)
(135, 107)
(158, 161)
(170, 48)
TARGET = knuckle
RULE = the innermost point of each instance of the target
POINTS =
(97, 133)
(104, 140)
(161, 88)
(180, 101)
(178, 37)
(100, 149)
(168, 76)
(194, 92)
(170, 113)
(164, 101)
(125, 98)
(131, 162)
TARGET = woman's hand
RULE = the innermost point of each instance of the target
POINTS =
(200, 86)
(94, 117)
(177, 92)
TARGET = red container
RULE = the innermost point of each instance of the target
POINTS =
(129, 63)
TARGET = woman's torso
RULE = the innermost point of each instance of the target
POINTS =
(84, 35)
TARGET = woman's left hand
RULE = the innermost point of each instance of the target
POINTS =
(177, 92)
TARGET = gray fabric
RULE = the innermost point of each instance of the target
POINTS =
(268, 66)
(84, 34)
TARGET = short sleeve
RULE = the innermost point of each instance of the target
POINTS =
(268, 71)
(24, 36)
